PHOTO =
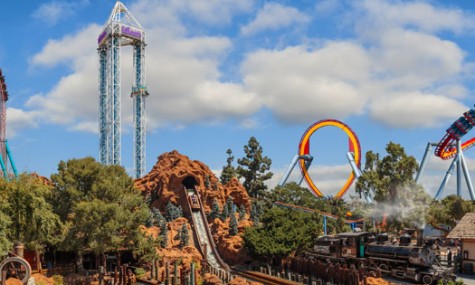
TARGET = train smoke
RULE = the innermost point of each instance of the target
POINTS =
(408, 209)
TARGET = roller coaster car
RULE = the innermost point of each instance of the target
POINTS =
(195, 205)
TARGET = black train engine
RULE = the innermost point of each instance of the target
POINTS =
(402, 259)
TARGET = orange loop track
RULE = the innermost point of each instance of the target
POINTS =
(304, 149)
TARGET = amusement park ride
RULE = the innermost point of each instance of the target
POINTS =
(450, 146)
(6, 155)
(121, 29)
(12, 266)
(305, 159)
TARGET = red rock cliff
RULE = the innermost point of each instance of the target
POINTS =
(174, 172)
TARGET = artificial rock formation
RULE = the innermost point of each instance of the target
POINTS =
(167, 181)
(174, 172)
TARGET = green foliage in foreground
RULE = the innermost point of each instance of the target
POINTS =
(102, 210)
(26, 214)
(448, 211)
(283, 231)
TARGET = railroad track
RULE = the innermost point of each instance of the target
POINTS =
(264, 278)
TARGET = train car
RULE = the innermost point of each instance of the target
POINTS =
(416, 262)
(343, 247)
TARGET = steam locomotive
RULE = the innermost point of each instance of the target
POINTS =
(402, 259)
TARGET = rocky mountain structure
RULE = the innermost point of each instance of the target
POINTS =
(168, 181)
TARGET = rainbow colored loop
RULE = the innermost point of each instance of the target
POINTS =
(353, 146)
(447, 146)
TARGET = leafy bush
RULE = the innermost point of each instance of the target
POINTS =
(140, 272)
(456, 282)
(58, 280)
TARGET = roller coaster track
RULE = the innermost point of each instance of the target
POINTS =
(305, 209)
(447, 147)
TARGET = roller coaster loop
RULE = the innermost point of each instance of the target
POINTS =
(447, 147)
(304, 149)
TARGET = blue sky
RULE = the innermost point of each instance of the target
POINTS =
(219, 72)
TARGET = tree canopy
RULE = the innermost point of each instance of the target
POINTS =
(283, 231)
(27, 206)
(397, 197)
(100, 206)
(254, 168)
(385, 177)
(446, 213)
(229, 172)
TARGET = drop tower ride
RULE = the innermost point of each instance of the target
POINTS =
(121, 29)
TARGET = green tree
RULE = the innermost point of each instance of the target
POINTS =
(446, 213)
(184, 236)
(283, 232)
(254, 168)
(397, 196)
(293, 193)
(255, 212)
(34, 222)
(100, 206)
(214, 210)
(225, 213)
(229, 171)
(242, 212)
(386, 176)
(5, 222)
(233, 226)
(173, 212)
(164, 235)
(230, 205)
(158, 217)
(146, 249)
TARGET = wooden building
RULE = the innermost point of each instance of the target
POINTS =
(465, 232)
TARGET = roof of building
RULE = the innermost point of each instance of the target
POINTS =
(465, 228)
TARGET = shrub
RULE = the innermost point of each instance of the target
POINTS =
(139, 272)
(58, 279)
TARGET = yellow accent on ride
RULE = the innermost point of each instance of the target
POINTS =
(354, 143)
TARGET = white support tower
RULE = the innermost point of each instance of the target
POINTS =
(121, 29)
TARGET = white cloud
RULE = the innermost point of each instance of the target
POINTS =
(298, 84)
(55, 11)
(419, 15)
(416, 60)
(404, 78)
(414, 109)
(72, 49)
(274, 16)
(325, 7)
(182, 78)
(169, 13)
(403, 75)
(18, 119)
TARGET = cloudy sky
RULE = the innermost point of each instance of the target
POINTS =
(219, 72)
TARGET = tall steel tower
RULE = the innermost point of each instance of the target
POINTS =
(121, 29)
(4, 150)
